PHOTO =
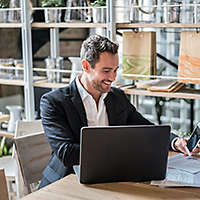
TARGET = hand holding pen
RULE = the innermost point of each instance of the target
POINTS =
(181, 145)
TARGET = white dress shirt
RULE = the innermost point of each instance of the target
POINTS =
(95, 116)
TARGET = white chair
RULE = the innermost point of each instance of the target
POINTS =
(33, 153)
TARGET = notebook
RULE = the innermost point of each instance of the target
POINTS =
(123, 153)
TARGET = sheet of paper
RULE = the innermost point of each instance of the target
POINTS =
(181, 172)
(167, 183)
(188, 164)
(179, 178)
(183, 177)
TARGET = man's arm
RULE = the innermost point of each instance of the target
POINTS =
(135, 118)
(58, 132)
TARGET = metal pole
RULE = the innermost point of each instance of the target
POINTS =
(54, 42)
(27, 59)
(111, 26)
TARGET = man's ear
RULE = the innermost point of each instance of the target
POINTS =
(85, 65)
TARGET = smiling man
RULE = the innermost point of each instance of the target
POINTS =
(89, 100)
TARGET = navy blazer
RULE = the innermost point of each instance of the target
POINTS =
(63, 115)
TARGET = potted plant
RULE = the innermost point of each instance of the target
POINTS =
(52, 15)
(99, 14)
(4, 13)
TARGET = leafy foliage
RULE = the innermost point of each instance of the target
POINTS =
(184, 134)
(52, 3)
(5, 146)
(4, 3)
(99, 3)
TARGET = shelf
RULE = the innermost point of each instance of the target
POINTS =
(11, 82)
(4, 117)
(36, 79)
(45, 84)
(69, 25)
(184, 93)
(39, 81)
(7, 134)
(161, 25)
(100, 25)
(10, 25)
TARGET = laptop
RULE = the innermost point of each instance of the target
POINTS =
(123, 153)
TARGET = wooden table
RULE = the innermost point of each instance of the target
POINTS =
(69, 188)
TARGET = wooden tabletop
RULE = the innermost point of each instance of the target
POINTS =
(69, 188)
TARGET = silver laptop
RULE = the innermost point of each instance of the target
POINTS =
(123, 153)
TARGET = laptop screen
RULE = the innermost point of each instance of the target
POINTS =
(123, 153)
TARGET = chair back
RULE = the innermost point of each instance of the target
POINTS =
(27, 127)
(3, 186)
(33, 152)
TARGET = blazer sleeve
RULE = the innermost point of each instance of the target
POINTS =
(135, 118)
(58, 131)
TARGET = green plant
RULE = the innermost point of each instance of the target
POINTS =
(184, 134)
(52, 3)
(4, 3)
(99, 3)
(5, 146)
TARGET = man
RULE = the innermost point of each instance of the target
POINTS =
(88, 101)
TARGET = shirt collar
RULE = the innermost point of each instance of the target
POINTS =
(81, 89)
(83, 93)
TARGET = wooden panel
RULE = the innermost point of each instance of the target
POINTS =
(67, 48)
(189, 56)
(28, 127)
(8, 90)
(71, 33)
(3, 186)
(9, 40)
(25, 128)
(33, 153)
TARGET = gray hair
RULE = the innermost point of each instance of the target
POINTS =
(94, 45)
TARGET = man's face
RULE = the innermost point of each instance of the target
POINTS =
(104, 73)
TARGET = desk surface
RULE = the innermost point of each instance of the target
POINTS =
(69, 188)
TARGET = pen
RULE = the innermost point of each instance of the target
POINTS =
(188, 152)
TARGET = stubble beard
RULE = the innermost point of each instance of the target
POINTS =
(98, 86)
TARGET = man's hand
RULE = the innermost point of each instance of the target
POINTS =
(196, 150)
(181, 144)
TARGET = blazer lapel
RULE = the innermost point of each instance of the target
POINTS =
(114, 111)
(110, 110)
(77, 102)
